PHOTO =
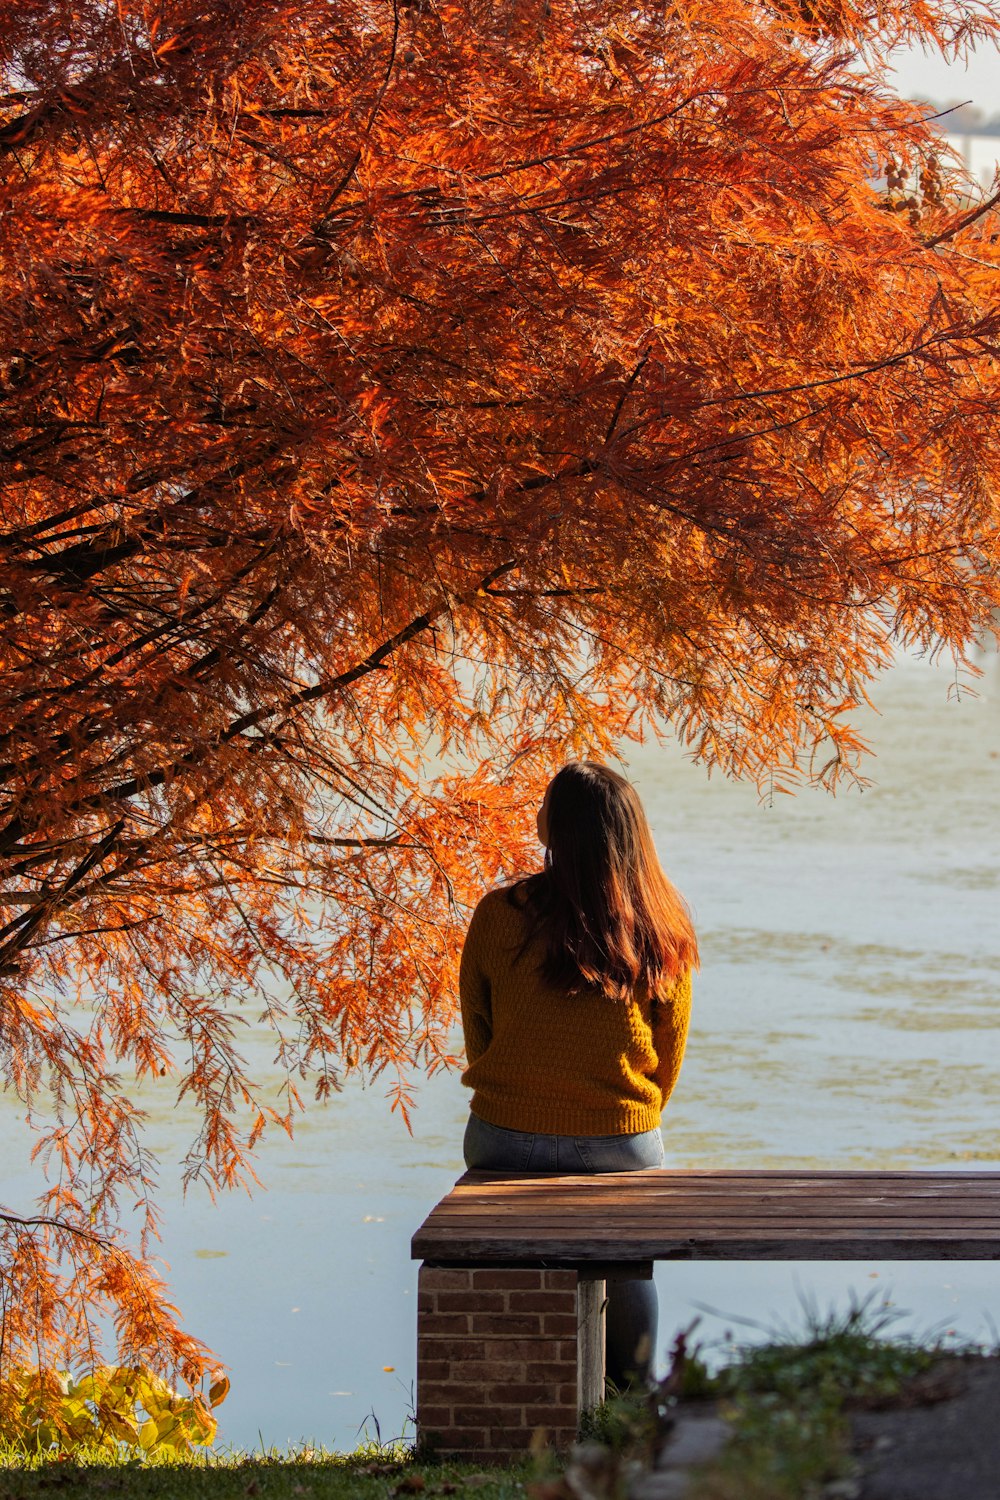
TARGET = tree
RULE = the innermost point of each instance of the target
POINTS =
(400, 396)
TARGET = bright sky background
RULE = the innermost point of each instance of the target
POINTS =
(927, 76)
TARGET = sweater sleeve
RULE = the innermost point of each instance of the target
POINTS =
(670, 1029)
(474, 988)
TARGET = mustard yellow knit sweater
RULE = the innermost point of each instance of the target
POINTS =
(553, 1063)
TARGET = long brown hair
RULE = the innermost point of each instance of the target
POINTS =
(609, 916)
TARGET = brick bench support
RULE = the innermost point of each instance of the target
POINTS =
(503, 1352)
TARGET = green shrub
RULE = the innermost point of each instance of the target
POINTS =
(111, 1409)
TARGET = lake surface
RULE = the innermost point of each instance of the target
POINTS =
(847, 1015)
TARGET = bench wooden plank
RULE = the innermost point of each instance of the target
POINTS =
(701, 1208)
(666, 1204)
(737, 1176)
(853, 1192)
(524, 1204)
(765, 1214)
(703, 1230)
(604, 1213)
(545, 1185)
(777, 1203)
(669, 1224)
(577, 1253)
(557, 1190)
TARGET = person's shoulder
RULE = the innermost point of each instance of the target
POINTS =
(501, 904)
(501, 914)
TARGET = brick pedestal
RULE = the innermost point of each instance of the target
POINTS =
(503, 1352)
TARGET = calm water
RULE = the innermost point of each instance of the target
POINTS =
(847, 1015)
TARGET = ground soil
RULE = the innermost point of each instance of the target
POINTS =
(939, 1441)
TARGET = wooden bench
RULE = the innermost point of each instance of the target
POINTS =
(511, 1290)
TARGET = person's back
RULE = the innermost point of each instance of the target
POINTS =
(576, 992)
(544, 1060)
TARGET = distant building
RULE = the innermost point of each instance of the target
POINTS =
(981, 153)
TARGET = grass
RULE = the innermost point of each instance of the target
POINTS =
(370, 1473)
(837, 1356)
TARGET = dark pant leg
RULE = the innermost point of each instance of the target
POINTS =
(632, 1318)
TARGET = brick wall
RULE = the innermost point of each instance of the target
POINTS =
(497, 1359)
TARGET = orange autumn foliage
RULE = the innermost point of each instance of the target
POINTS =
(398, 397)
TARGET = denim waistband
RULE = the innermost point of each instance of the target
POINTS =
(491, 1148)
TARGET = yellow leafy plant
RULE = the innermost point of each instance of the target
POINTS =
(110, 1408)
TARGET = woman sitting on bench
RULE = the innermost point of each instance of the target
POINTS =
(576, 995)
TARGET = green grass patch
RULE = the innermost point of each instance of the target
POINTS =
(839, 1357)
(370, 1473)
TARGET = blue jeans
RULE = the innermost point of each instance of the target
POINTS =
(632, 1307)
